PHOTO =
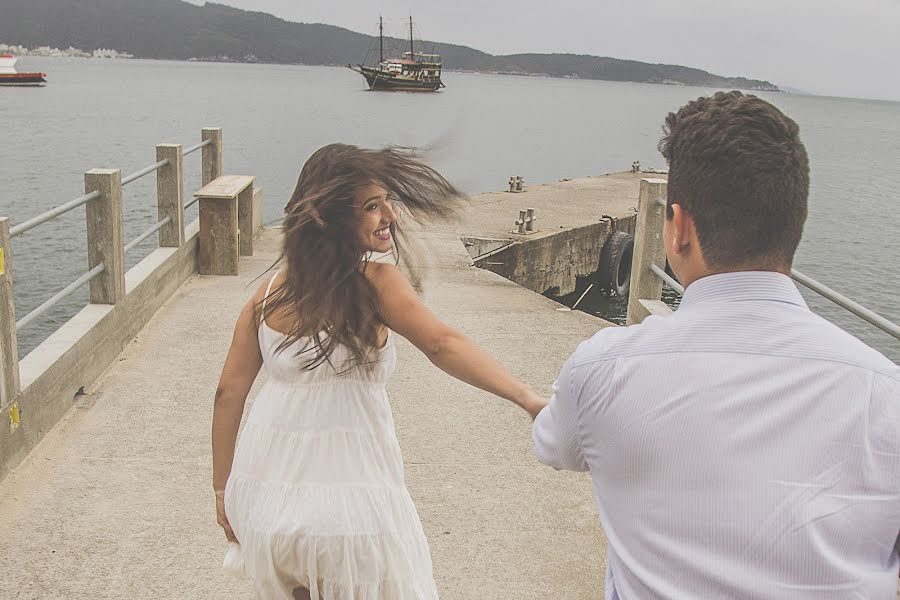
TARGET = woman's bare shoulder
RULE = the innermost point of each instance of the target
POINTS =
(385, 275)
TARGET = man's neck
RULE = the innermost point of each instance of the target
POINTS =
(738, 269)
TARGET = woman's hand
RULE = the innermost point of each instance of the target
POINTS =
(533, 403)
(222, 518)
(241, 367)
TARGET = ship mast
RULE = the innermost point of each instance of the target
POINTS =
(411, 55)
(380, 40)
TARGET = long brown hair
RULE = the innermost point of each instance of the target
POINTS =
(324, 283)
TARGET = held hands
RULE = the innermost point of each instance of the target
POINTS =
(532, 403)
(221, 518)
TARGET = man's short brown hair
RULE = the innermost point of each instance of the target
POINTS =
(738, 167)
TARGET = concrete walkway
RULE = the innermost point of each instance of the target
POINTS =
(116, 501)
(558, 205)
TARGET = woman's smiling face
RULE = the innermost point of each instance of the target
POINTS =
(375, 215)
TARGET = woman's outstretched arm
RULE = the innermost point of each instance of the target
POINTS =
(241, 367)
(447, 348)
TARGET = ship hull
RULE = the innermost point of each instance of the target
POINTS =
(382, 81)
(22, 79)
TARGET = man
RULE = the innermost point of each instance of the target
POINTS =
(743, 447)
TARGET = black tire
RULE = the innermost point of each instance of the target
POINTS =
(614, 273)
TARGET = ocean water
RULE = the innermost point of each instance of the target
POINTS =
(478, 132)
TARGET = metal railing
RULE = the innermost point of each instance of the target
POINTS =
(52, 214)
(136, 241)
(670, 281)
(197, 147)
(60, 295)
(99, 269)
(119, 302)
(145, 171)
(821, 289)
(194, 201)
(846, 303)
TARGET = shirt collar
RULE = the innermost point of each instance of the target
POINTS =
(743, 285)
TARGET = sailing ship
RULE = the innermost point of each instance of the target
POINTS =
(9, 75)
(412, 72)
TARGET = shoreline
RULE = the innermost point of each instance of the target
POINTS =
(227, 60)
(470, 72)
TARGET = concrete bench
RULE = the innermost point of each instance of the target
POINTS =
(227, 222)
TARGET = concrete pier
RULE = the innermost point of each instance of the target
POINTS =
(574, 219)
(116, 501)
(565, 204)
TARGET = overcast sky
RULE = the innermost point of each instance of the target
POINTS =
(847, 48)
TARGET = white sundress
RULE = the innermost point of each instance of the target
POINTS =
(316, 495)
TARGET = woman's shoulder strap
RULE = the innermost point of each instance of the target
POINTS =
(266, 297)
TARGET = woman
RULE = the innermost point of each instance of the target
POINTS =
(313, 499)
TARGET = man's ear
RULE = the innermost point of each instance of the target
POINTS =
(682, 227)
(685, 241)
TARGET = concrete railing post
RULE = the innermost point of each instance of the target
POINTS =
(219, 247)
(9, 352)
(212, 154)
(245, 221)
(105, 235)
(170, 194)
(257, 210)
(649, 248)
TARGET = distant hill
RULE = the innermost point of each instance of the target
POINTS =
(172, 29)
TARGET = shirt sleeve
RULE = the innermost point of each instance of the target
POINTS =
(555, 430)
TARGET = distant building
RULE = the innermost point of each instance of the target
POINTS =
(42, 51)
(13, 49)
(108, 53)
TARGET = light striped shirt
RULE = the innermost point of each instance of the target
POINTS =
(741, 448)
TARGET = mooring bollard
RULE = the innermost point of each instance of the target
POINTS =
(516, 183)
(525, 222)
(520, 222)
